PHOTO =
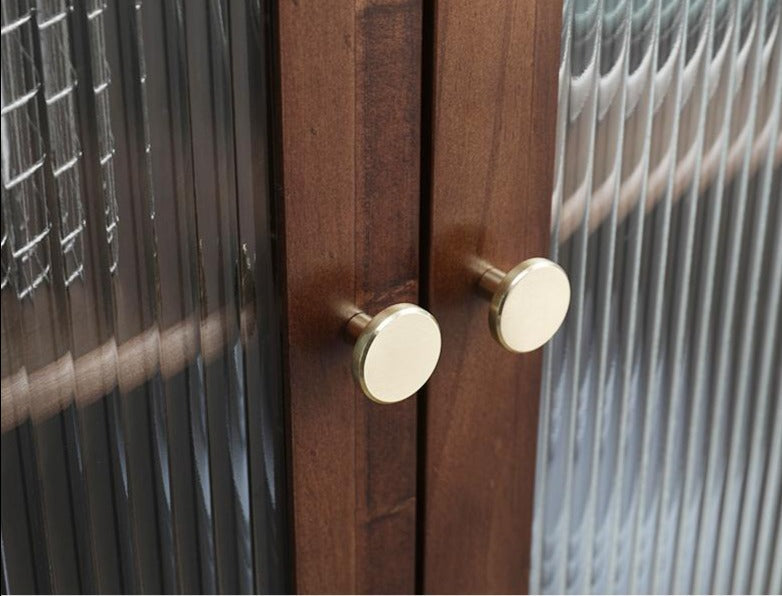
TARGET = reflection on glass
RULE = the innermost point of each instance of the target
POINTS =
(141, 398)
(660, 445)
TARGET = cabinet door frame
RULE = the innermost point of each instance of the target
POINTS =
(350, 118)
(373, 507)
(494, 81)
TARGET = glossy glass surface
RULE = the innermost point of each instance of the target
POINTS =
(660, 440)
(141, 396)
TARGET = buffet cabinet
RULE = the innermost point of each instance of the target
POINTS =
(391, 296)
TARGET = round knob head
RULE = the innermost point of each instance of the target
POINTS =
(396, 353)
(529, 305)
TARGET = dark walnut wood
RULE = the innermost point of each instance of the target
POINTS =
(494, 117)
(350, 98)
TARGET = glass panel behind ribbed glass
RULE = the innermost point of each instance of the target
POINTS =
(660, 440)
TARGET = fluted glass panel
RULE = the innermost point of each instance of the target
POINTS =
(142, 429)
(660, 450)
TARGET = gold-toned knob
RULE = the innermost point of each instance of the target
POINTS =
(528, 303)
(395, 351)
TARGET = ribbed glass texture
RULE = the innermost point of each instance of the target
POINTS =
(142, 429)
(660, 437)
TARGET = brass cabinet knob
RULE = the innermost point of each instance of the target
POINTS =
(395, 351)
(528, 303)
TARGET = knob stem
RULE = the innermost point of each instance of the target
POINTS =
(357, 324)
(490, 280)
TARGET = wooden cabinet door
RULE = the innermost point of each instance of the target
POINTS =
(494, 96)
(413, 133)
(350, 97)
(196, 198)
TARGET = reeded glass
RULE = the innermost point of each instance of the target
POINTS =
(660, 438)
(141, 395)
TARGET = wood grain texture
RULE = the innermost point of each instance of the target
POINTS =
(494, 118)
(350, 123)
